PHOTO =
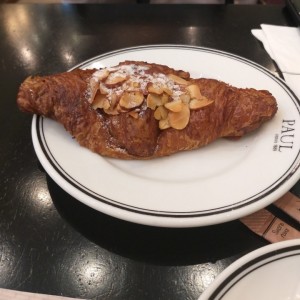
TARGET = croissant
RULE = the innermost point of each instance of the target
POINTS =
(139, 110)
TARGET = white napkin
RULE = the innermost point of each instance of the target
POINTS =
(283, 45)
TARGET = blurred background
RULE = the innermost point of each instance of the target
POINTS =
(247, 2)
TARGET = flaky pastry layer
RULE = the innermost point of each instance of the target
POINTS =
(138, 110)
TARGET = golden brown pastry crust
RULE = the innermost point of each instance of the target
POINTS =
(65, 98)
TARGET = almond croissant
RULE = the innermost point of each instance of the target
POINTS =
(138, 110)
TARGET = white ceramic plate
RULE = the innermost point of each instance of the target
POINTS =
(271, 272)
(223, 181)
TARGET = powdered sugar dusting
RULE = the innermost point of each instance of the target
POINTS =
(136, 78)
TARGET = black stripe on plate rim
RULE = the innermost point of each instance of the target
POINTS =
(248, 268)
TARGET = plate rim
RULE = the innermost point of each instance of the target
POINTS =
(166, 219)
(261, 256)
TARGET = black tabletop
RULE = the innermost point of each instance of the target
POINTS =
(51, 243)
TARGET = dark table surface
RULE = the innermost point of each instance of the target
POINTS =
(51, 243)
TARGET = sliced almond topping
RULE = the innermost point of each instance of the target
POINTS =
(196, 104)
(100, 101)
(164, 99)
(121, 109)
(179, 120)
(93, 90)
(174, 106)
(177, 79)
(160, 113)
(152, 88)
(131, 99)
(167, 91)
(103, 89)
(134, 114)
(164, 124)
(113, 101)
(132, 85)
(154, 100)
(102, 74)
(185, 98)
(194, 91)
(114, 79)
(111, 111)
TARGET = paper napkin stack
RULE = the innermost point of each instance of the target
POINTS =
(283, 45)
